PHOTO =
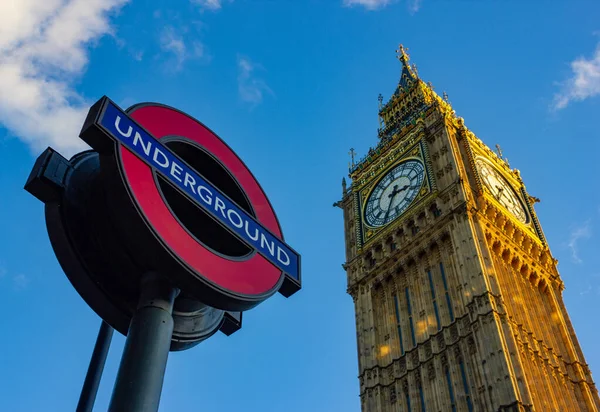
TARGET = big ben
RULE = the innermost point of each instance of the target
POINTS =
(457, 297)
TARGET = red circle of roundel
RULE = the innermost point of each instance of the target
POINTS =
(254, 276)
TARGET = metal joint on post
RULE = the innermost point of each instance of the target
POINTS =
(157, 292)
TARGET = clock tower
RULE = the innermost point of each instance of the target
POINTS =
(458, 299)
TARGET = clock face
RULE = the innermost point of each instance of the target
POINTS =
(501, 190)
(394, 193)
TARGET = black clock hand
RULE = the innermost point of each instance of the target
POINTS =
(395, 191)
(387, 213)
(392, 195)
(500, 192)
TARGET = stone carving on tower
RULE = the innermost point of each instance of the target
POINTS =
(458, 299)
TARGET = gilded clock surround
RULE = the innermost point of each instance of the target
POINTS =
(458, 303)
(405, 179)
(415, 152)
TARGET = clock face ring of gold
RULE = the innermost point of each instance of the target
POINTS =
(501, 190)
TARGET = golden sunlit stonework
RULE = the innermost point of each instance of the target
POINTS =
(458, 299)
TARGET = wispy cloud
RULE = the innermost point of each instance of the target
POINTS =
(368, 4)
(209, 4)
(138, 55)
(43, 50)
(583, 83)
(414, 5)
(20, 281)
(578, 233)
(250, 87)
(172, 41)
(595, 289)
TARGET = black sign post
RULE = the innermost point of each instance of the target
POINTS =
(142, 370)
(94, 373)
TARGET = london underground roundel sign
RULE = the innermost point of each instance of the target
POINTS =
(213, 229)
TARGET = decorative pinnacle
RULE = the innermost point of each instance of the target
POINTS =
(499, 151)
(403, 54)
(352, 154)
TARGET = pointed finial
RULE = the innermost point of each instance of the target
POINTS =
(380, 100)
(343, 185)
(499, 151)
(446, 97)
(402, 54)
(414, 67)
(352, 154)
(501, 156)
(408, 74)
(430, 85)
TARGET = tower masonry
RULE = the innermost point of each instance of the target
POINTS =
(458, 299)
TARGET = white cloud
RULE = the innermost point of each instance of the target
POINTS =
(212, 5)
(578, 233)
(368, 4)
(209, 4)
(583, 83)
(20, 282)
(251, 88)
(43, 49)
(138, 55)
(173, 41)
(414, 6)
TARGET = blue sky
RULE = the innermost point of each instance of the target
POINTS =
(291, 86)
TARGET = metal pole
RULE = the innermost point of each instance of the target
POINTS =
(94, 373)
(142, 370)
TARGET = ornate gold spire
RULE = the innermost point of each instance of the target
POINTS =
(402, 55)
(408, 72)
(409, 102)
